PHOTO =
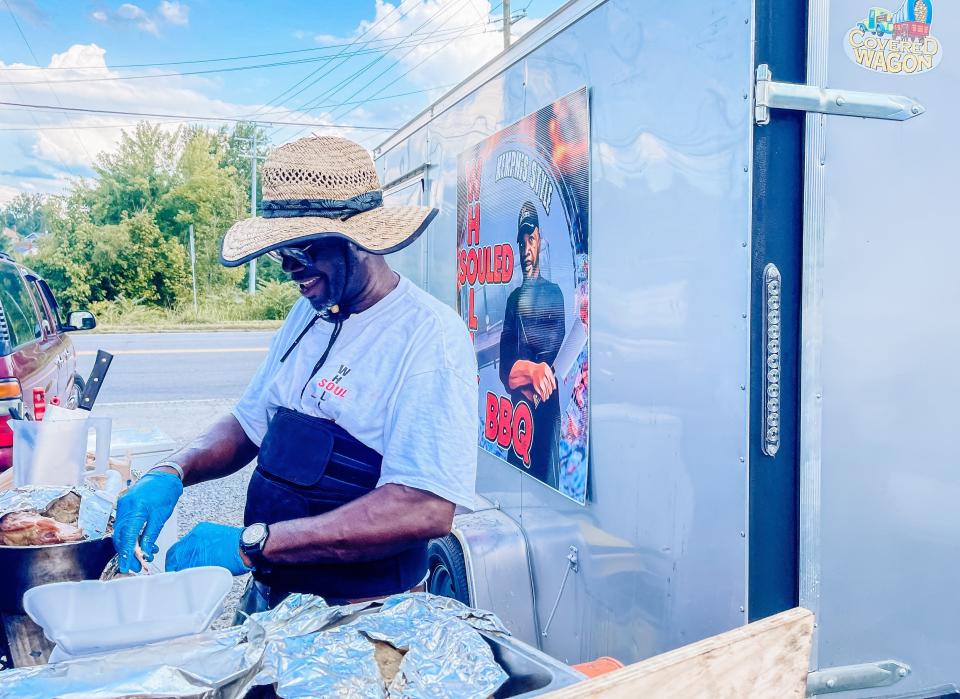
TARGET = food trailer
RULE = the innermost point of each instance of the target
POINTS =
(754, 414)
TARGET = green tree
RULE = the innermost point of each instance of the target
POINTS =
(137, 176)
(124, 234)
(24, 214)
(132, 260)
(208, 196)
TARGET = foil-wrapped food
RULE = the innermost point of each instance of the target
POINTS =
(412, 646)
(45, 515)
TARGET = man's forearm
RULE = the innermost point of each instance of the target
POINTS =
(374, 526)
(222, 449)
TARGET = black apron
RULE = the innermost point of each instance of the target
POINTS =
(308, 466)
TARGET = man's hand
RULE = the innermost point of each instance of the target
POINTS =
(143, 510)
(542, 379)
(532, 379)
(208, 544)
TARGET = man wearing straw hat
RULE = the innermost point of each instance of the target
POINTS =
(362, 418)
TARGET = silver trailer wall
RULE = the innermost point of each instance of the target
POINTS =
(880, 531)
(661, 541)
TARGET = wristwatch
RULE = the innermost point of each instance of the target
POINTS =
(252, 541)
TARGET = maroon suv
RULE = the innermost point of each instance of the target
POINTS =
(35, 351)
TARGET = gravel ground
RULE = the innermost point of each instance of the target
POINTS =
(218, 501)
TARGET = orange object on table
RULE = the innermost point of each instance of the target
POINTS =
(600, 666)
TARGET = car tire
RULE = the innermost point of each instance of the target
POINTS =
(448, 569)
(73, 400)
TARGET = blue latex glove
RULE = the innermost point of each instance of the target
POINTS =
(143, 510)
(208, 544)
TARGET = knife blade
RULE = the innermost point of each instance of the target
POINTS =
(567, 355)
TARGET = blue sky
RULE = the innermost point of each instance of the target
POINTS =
(393, 58)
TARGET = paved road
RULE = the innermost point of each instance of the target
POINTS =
(177, 382)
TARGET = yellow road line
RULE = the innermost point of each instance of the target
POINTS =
(194, 350)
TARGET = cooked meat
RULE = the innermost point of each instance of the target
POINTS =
(65, 509)
(30, 528)
(112, 569)
(388, 660)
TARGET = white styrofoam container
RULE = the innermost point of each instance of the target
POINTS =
(94, 616)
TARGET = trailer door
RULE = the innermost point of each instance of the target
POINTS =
(880, 472)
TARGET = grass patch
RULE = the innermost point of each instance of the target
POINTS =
(229, 309)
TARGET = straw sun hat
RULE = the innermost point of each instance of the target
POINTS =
(317, 187)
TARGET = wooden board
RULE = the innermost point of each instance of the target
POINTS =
(28, 645)
(6, 480)
(766, 659)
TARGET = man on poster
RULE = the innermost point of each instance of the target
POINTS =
(533, 330)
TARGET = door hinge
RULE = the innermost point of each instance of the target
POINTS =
(849, 677)
(770, 94)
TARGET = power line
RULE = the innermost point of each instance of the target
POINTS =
(345, 81)
(197, 60)
(414, 67)
(398, 60)
(178, 121)
(55, 96)
(185, 117)
(274, 100)
(339, 86)
(231, 69)
(333, 105)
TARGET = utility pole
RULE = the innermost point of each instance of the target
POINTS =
(193, 271)
(506, 24)
(252, 284)
(252, 280)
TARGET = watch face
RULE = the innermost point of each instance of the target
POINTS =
(253, 534)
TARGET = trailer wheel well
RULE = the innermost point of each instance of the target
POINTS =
(447, 569)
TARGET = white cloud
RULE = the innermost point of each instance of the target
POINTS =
(326, 38)
(174, 12)
(64, 150)
(7, 194)
(137, 16)
(168, 12)
(464, 38)
(450, 40)
(59, 142)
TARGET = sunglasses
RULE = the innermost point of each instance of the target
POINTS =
(299, 254)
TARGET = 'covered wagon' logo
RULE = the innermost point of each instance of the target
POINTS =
(895, 41)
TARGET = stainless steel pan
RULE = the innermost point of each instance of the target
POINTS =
(23, 567)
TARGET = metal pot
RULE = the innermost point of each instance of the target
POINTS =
(29, 566)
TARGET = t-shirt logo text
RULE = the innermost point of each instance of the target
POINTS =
(333, 386)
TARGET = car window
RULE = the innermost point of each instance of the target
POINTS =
(46, 312)
(51, 304)
(23, 325)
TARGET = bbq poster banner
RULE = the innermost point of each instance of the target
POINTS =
(522, 281)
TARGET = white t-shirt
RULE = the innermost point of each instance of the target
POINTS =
(401, 378)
